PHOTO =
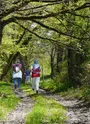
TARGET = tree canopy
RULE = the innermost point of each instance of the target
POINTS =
(59, 28)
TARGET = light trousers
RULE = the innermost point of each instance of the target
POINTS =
(35, 83)
(27, 79)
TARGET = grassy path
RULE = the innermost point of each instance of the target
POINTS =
(44, 108)
(40, 110)
(17, 116)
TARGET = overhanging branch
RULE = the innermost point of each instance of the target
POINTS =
(58, 31)
(14, 8)
(49, 39)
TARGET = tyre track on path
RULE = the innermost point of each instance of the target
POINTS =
(78, 112)
(17, 116)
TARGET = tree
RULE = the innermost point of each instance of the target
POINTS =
(52, 15)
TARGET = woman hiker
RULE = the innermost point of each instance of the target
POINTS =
(35, 70)
(17, 74)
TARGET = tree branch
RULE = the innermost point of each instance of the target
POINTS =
(46, 1)
(41, 6)
(58, 31)
(14, 8)
(49, 39)
(85, 5)
(82, 16)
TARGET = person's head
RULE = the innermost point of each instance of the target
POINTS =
(18, 61)
(27, 68)
(35, 62)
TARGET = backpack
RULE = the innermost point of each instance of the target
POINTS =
(36, 70)
(17, 67)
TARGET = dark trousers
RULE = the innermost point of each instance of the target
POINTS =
(17, 81)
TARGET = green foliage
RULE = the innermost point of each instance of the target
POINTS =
(67, 90)
(67, 26)
(85, 93)
(60, 82)
(48, 84)
(55, 86)
(82, 93)
(61, 79)
(8, 100)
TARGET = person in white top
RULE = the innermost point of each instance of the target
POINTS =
(17, 74)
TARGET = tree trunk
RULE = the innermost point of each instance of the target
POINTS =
(74, 67)
(1, 29)
(52, 62)
(59, 59)
(23, 67)
(8, 65)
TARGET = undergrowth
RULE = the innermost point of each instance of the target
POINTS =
(67, 90)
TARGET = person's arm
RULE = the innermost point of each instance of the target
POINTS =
(20, 66)
(25, 73)
(13, 66)
(31, 69)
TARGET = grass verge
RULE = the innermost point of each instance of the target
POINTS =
(82, 92)
(7, 99)
(54, 86)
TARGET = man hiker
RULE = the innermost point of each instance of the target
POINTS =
(27, 76)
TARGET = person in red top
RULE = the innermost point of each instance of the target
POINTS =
(35, 70)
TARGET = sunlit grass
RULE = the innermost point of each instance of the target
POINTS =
(7, 99)
(45, 110)
(54, 86)
(67, 91)
(48, 84)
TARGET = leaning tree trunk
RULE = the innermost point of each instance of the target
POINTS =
(8, 65)
(13, 58)
(23, 67)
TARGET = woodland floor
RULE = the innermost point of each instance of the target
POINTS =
(78, 112)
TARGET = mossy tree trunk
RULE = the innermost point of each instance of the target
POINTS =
(75, 61)
(59, 59)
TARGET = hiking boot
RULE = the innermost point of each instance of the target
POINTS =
(15, 86)
(36, 91)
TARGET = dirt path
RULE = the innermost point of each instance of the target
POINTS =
(17, 116)
(77, 111)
